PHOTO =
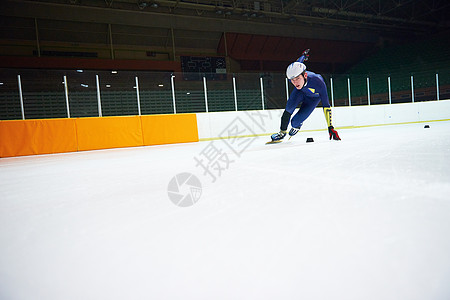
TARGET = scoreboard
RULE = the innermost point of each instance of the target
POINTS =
(195, 67)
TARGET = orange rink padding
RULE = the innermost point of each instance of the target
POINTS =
(168, 129)
(109, 132)
(27, 137)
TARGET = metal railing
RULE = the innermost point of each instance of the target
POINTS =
(36, 94)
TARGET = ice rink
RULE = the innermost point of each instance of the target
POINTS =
(367, 217)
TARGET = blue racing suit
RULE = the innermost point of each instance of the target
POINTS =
(309, 97)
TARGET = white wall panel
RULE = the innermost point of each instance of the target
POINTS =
(260, 122)
(401, 113)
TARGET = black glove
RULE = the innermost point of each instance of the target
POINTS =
(333, 133)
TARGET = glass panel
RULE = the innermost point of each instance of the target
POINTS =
(189, 93)
(401, 88)
(155, 93)
(379, 91)
(43, 94)
(248, 89)
(275, 90)
(220, 92)
(425, 86)
(358, 88)
(327, 80)
(118, 93)
(444, 84)
(9, 95)
(82, 88)
(340, 90)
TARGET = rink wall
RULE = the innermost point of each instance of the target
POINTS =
(28, 137)
(217, 125)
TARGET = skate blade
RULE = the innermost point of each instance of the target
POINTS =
(274, 142)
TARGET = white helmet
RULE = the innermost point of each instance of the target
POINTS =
(295, 69)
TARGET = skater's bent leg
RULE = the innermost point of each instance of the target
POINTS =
(303, 113)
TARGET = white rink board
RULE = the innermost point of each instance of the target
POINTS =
(216, 124)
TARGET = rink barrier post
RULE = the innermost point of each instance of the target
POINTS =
(172, 84)
(99, 100)
(262, 91)
(66, 94)
(437, 86)
(332, 91)
(138, 96)
(349, 93)
(206, 93)
(19, 82)
(235, 93)
(389, 89)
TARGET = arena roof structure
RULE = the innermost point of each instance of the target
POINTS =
(269, 30)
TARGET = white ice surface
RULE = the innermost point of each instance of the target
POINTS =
(364, 218)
